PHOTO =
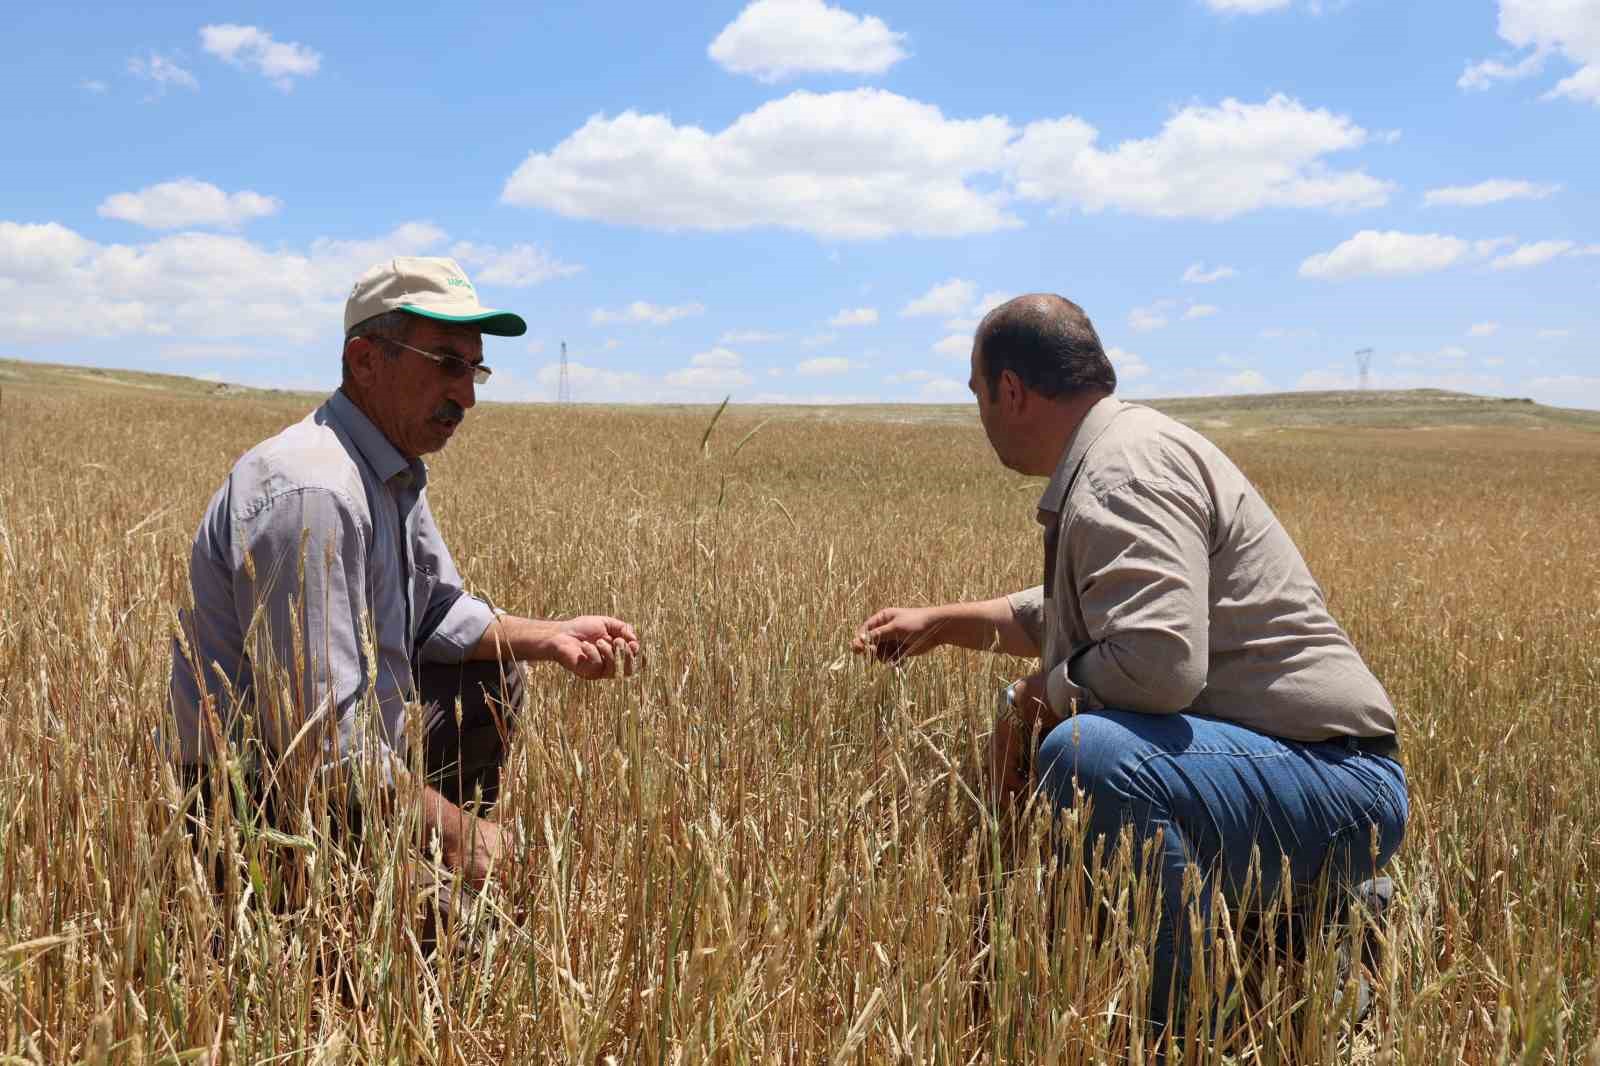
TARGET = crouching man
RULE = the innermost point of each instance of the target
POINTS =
(1217, 701)
(318, 560)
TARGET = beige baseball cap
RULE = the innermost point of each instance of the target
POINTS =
(429, 286)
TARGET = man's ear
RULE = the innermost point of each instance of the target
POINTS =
(362, 354)
(1013, 394)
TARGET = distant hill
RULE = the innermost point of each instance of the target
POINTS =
(1386, 409)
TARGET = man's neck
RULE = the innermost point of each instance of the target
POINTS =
(1057, 429)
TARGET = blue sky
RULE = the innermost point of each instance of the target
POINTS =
(789, 200)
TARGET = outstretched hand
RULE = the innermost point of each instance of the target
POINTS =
(896, 633)
(596, 646)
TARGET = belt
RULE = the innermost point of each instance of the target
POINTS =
(1386, 746)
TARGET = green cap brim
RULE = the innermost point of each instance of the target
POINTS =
(499, 323)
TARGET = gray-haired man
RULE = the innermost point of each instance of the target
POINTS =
(319, 556)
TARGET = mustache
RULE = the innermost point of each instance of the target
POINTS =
(449, 411)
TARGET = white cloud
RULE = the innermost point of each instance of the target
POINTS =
(867, 164)
(1246, 381)
(590, 383)
(909, 377)
(749, 336)
(1245, 7)
(1128, 365)
(649, 313)
(824, 366)
(249, 47)
(161, 70)
(1450, 357)
(817, 340)
(716, 369)
(1568, 28)
(1460, 380)
(200, 286)
(1535, 253)
(1200, 311)
(1483, 329)
(1565, 390)
(855, 316)
(187, 202)
(199, 352)
(1145, 319)
(776, 39)
(1197, 274)
(944, 390)
(1207, 162)
(946, 298)
(1493, 191)
(955, 346)
(849, 165)
(518, 266)
(1554, 334)
(1387, 253)
(535, 346)
(93, 85)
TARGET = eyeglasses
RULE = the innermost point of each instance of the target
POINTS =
(453, 365)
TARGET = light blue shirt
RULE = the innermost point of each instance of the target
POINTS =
(319, 554)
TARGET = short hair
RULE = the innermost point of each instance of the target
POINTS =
(1049, 343)
(389, 326)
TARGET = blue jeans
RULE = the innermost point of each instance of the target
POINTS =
(1215, 790)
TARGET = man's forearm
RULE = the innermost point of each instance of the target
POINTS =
(984, 625)
(509, 637)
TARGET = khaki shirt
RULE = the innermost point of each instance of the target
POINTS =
(1173, 587)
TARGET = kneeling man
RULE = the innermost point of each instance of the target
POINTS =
(318, 561)
(1192, 681)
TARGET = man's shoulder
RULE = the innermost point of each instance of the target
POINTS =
(1141, 443)
(310, 455)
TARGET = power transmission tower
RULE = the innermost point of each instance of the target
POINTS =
(564, 389)
(1363, 364)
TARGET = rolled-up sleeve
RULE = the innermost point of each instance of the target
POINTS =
(1140, 558)
(453, 621)
(1027, 607)
(302, 598)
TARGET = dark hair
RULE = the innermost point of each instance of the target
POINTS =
(389, 326)
(1049, 343)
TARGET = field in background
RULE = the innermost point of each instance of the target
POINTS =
(762, 850)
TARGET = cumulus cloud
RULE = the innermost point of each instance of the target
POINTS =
(200, 286)
(1483, 329)
(855, 316)
(946, 298)
(1200, 311)
(749, 336)
(518, 266)
(1152, 317)
(93, 85)
(1128, 365)
(1493, 191)
(252, 48)
(1450, 357)
(187, 202)
(162, 71)
(718, 368)
(645, 312)
(1197, 274)
(1554, 334)
(867, 164)
(955, 346)
(1545, 28)
(1535, 253)
(776, 39)
(1246, 381)
(824, 366)
(1390, 253)
(1207, 162)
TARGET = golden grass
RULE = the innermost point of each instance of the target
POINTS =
(762, 850)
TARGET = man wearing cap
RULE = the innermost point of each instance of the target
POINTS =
(1192, 683)
(318, 563)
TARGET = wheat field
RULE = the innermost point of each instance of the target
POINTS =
(762, 850)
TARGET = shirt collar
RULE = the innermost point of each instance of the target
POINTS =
(384, 459)
(1094, 423)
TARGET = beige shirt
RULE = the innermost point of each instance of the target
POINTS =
(1173, 587)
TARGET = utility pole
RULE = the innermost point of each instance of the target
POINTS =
(1363, 365)
(564, 389)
